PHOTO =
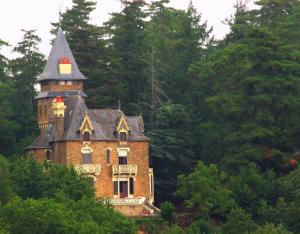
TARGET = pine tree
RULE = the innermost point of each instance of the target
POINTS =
(25, 69)
(127, 37)
(94, 57)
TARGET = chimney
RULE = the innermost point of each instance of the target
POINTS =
(58, 107)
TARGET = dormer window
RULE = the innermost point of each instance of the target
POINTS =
(123, 136)
(86, 136)
(122, 130)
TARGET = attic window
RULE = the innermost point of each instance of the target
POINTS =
(65, 66)
(86, 136)
(123, 136)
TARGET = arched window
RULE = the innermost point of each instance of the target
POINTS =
(86, 156)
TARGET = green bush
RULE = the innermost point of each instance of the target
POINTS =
(168, 212)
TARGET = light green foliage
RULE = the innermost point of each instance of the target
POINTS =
(238, 222)
(251, 186)
(199, 227)
(168, 212)
(35, 180)
(205, 189)
(270, 228)
(50, 216)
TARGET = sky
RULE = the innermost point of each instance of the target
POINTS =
(37, 14)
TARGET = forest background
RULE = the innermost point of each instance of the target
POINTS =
(222, 115)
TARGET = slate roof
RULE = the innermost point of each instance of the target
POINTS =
(43, 141)
(53, 94)
(104, 123)
(60, 49)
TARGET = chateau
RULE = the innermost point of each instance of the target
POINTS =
(104, 144)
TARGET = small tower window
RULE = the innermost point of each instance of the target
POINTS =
(86, 136)
(108, 156)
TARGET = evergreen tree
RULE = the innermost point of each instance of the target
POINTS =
(254, 103)
(95, 58)
(127, 37)
(24, 70)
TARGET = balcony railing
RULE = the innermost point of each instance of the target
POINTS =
(124, 169)
(88, 169)
(127, 201)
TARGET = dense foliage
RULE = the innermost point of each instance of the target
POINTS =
(221, 114)
(50, 198)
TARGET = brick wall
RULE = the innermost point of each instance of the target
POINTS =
(56, 86)
(138, 155)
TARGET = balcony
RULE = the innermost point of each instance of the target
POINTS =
(94, 169)
(124, 169)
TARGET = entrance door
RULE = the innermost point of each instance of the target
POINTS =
(123, 189)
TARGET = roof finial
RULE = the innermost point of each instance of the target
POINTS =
(119, 105)
(59, 15)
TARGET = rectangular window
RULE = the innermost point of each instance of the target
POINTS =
(69, 82)
(115, 187)
(123, 161)
(86, 158)
(62, 82)
(86, 136)
(108, 156)
(48, 155)
(131, 186)
(123, 136)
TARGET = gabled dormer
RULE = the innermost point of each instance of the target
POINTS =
(86, 129)
(122, 130)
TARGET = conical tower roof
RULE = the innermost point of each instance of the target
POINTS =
(60, 50)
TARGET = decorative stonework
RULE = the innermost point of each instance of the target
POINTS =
(124, 169)
(88, 169)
